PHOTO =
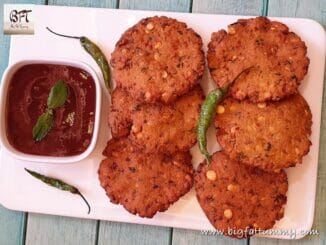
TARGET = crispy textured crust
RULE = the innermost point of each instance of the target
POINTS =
(144, 183)
(276, 56)
(169, 129)
(120, 113)
(156, 127)
(240, 198)
(270, 136)
(158, 59)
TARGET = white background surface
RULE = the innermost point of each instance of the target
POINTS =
(19, 191)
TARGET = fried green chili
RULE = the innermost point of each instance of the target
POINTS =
(96, 54)
(59, 184)
(206, 115)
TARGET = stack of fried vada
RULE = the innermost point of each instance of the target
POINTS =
(157, 65)
(263, 125)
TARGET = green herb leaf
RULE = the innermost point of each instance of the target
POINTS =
(57, 98)
(43, 125)
(58, 95)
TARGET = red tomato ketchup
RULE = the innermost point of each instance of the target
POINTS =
(73, 123)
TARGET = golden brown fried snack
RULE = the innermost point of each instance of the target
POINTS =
(271, 136)
(156, 127)
(167, 128)
(144, 183)
(158, 59)
(122, 105)
(277, 58)
(238, 199)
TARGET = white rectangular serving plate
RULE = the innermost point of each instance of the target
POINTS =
(18, 191)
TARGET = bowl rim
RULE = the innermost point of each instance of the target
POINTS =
(5, 81)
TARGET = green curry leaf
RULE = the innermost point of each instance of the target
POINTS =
(57, 98)
(43, 125)
(58, 95)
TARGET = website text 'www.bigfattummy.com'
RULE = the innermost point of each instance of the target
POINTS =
(290, 233)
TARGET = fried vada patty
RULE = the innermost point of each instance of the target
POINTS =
(158, 59)
(122, 104)
(275, 58)
(237, 199)
(144, 183)
(271, 136)
(157, 127)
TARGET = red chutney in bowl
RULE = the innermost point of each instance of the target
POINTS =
(73, 123)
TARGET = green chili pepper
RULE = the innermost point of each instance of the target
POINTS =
(206, 115)
(59, 184)
(96, 54)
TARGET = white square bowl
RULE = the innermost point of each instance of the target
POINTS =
(6, 79)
